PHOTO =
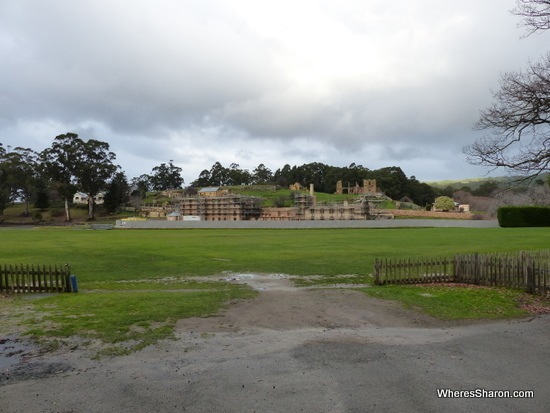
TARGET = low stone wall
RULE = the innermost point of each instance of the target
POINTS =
(381, 223)
(428, 214)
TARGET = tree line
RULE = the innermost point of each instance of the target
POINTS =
(73, 164)
(391, 180)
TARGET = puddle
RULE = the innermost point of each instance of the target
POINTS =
(12, 352)
(263, 282)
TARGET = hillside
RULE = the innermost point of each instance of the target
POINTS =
(503, 182)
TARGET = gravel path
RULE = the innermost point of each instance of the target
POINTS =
(295, 349)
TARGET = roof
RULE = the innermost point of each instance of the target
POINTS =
(210, 189)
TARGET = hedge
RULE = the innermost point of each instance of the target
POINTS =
(524, 216)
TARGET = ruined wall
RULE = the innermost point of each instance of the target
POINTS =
(368, 188)
(335, 212)
(279, 214)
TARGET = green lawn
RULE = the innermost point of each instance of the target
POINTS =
(133, 283)
(452, 303)
(125, 320)
(137, 254)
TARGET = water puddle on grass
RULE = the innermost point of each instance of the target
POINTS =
(263, 282)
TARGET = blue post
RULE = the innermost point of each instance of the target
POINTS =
(74, 286)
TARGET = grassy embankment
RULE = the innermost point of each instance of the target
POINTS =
(134, 284)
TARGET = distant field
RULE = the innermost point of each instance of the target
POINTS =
(137, 254)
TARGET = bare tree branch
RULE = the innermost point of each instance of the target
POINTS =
(519, 122)
(535, 13)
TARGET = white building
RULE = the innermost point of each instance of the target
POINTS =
(82, 198)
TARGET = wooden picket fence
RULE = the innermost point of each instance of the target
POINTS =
(35, 279)
(527, 270)
(413, 271)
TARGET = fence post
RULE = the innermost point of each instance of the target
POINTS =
(477, 274)
(376, 271)
(530, 276)
(456, 276)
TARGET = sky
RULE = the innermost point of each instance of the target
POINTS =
(372, 82)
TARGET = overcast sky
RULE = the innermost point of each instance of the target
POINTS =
(373, 82)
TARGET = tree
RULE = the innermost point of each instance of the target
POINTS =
(535, 13)
(166, 177)
(393, 181)
(219, 175)
(520, 121)
(238, 176)
(93, 168)
(520, 117)
(261, 175)
(117, 194)
(22, 167)
(5, 187)
(58, 163)
(444, 203)
(311, 173)
(486, 188)
(140, 186)
(203, 179)
(421, 193)
(73, 163)
(42, 201)
(283, 177)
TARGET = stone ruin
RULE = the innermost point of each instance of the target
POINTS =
(368, 188)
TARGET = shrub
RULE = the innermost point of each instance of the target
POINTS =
(524, 216)
(444, 203)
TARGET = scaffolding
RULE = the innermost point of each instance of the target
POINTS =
(302, 202)
(222, 208)
(232, 207)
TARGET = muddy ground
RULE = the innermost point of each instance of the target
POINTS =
(293, 349)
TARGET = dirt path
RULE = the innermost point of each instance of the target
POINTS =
(295, 349)
(282, 306)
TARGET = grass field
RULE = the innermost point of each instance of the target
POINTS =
(136, 254)
(134, 282)
(463, 302)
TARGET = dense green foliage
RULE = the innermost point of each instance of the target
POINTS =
(117, 194)
(166, 177)
(524, 216)
(390, 180)
(444, 203)
(72, 163)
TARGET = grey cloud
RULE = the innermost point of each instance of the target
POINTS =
(313, 82)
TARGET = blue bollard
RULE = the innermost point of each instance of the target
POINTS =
(74, 286)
